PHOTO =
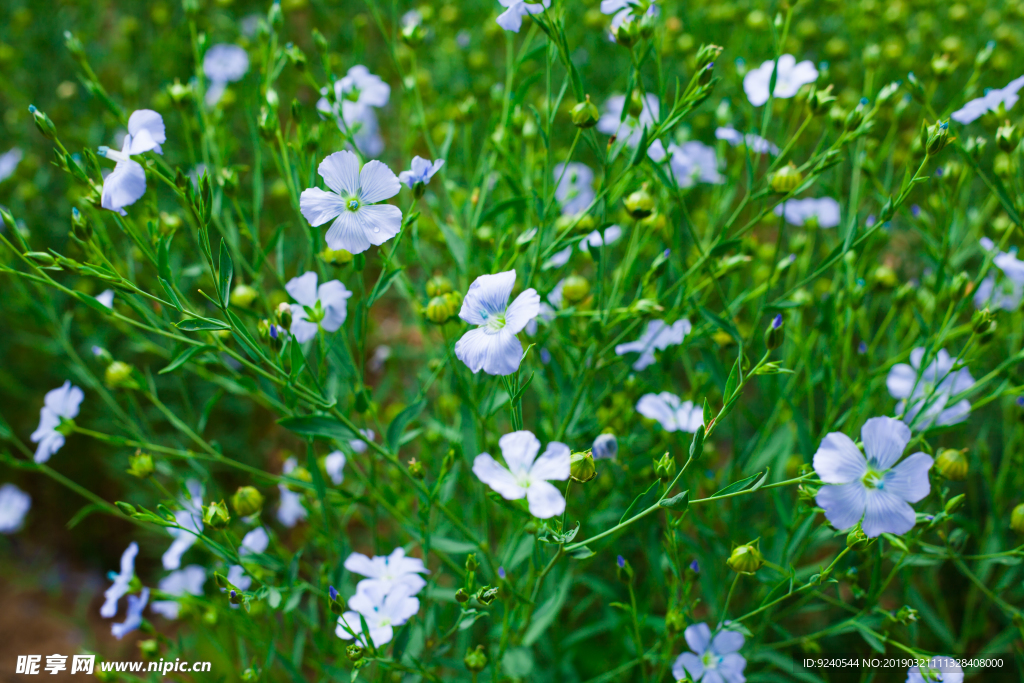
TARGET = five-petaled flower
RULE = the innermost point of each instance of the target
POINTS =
(712, 660)
(789, 78)
(658, 335)
(493, 346)
(381, 610)
(359, 221)
(873, 488)
(524, 475)
(325, 306)
(927, 391)
(62, 402)
(512, 18)
(126, 184)
(223, 63)
(673, 413)
(388, 572)
(422, 170)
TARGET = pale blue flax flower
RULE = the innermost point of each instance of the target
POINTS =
(493, 346)
(524, 475)
(382, 611)
(929, 389)
(59, 403)
(790, 76)
(14, 505)
(990, 101)
(939, 670)
(186, 581)
(325, 306)
(825, 211)
(512, 18)
(605, 447)
(671, 412)
(575, 189)
(712, 660)
(126, 184)
(121, 581)
(422, 170)
(223, 63)
(388, 572)
(658, 336)
(136, 603)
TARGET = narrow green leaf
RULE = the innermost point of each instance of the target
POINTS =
(382, 286)
(402, 421)
(317, 425)
(226, 273)
(169, 291)
(202, 324)
(642, 502)
(736, 486)
(184, 357)
(92, 302)
(581, 553)
(679, 502)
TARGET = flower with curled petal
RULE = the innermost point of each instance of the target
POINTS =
(493, 346)
(659, 335)
(874, 491)
(359, 221)
(62, 402)
(120, 581)
(126, 184)
(524, 475)
(712, 660)
(324, 307)
(387, 572)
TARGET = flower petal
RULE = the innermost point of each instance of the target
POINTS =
(303, 288)
(347, 233)
(698, 637)
(377, 182)
(838, 460)
(843, 504)
(900, 380)
(553, 463)
(124, 186)
(519, 449)
(545, 500)
(333, 298)
(497, 477)
(731, 668)
(380, 222)
(727, 641)
(357, 563)
(340, 172)
(656, 407)
(884, 439)
(909, 479)
(524, 309)
(886, 513)
(487, 296)
(512, 18)
(318, 206)
(496, 354)
(147, 130)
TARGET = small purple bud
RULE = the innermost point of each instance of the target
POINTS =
(621, 561)
(695, 567)
(501, 572)
(545, 356)
(666, 253)
(1020, 401)
(938, 173)
(96, 350)
(333, 593)
(862, 348)
(233, 593)
(929, 517)
(915, 210)
(871, 220)
(777, 321)
(273, 331)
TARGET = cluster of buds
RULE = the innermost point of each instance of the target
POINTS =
(140, 465)
(444, 303)
(275, 328)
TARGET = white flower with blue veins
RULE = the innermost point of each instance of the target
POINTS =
(990, 101)
(493, 346)
(223, 63)
(671, 412)
(324, 307)
(126, 184)
(712, 660)
(789, 78)
(359, 221)
(381, 610)
(658, 336)
(422, 170)
(524, 475)
(388, 572)
(874, 491)
(512, 18)
(136, 603)
(120, 581)
(62, 402)
(14, 505)
(939, 670)
(186, 581)
(825, 211)
(926, 392)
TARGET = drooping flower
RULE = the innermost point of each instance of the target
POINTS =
(223, 63)
(524, 475)
(493, 346)
(186, 581)
(876, 488)
(929, 389)
(755, 142)
(798, 211)
(9, 161)
(126, 184)
(334, 464)
(382, 612)
(136, 603)
(422, 170)
(658, 336)
(120, 581)
(190, 519)
(692, 162)
(386, 573)
(1006, 292)
(62, 402)
(575, 190)
(595, 239)
(939, 669)
(325, 306)
(673, 413)
(14, 505)
(712, 660)
(790, 77)
(106, 297)
(512, 18)
(1006, 96)
(290, 510)
(629, 128)
(605, 447)
(255, 542)
(359, 221)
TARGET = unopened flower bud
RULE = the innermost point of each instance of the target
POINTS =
(284, 315)
(415, 469)
(821, 100)
(953, 464)
(80, 225)
(126, 508)
(43, 123)
(628, 32)
(856, 115)
(247, 501)
(118, 374)
(706, 55)
(1017, 519)
(745, 559)
(216, 515)
(581, 467)
(605, 447)
(640, 204)
(675, 621)
(857, 539)
(243, 296)
(706, 74)
(437, 310)
(1007, 137)
(623, 570)
(953, 504)
(938, 137)
(665, 466)
(475, 659)
(906, 615)
(575, 289)
(438, 285)
(786, 179)
(585, 114)
(635, 104)
(334, 601)
(454, 300)
(981, 321)
(975, 147)
(462, 596)
(140, 465)
(354, 652)
(774, 335)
